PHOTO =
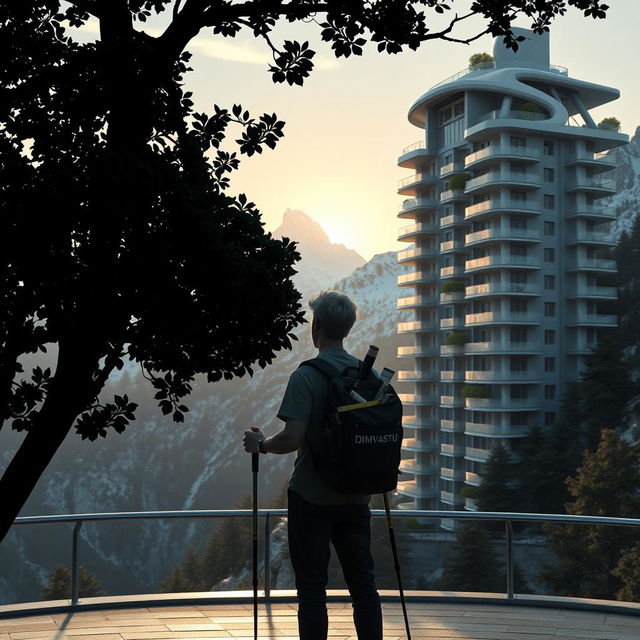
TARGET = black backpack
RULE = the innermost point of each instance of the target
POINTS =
(358, 449)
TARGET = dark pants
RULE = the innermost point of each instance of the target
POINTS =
(311, 529)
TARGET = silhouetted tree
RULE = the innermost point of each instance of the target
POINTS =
(117, 238)
(607, 484)
(59, 585)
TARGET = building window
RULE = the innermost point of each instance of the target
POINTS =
(549, 309)
(548, 175)
(518, 277)
(518, 334)
(519, 392)
(549, 365)
(518, 196)
(549, 228)
(518, 250)
(518, 169)
(518, 363)
(547, 148)
(592, 336)
(518, 306)
(549, 418)
(549, 391)
(549, 336)
(549, 255)
(549, 201)
(549, 282)
(517, 222)
(518, 419)
(517, 141)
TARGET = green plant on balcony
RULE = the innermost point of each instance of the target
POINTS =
(453, 286)
(529, 107)
(609, 124)
(458, 182)
(456, 340)
(473, 391)
(480, 61)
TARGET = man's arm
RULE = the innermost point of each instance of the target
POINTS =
(285, 441)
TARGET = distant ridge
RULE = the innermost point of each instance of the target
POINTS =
(323, 262)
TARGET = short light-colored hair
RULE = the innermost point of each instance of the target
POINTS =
(335, 312)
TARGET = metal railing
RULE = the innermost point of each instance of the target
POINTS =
(508, 518)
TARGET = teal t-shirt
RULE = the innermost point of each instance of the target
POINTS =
(304, 400)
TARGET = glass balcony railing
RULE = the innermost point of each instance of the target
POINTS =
(416, 351)
(592, 236)
(594, 210)
(419, 252)
(418, 203)
(415, 229)
(501, 261)
(415, 325)
(497, 346)
(514, 114)
(501, 376)
(417, 276)
(499, 288)
(416, 178)
(504, 176)
(501, 205)
(507, 404)
(597, 264)
(488, 317)
(416, 301)
(420, 144)
(598, 184)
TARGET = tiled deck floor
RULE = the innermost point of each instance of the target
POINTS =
(432, 621)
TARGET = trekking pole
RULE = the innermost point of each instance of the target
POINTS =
(254, 468)
(392, 539)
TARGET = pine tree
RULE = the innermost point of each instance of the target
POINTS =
(496, 491)
(628, 572)
(59, 585)
(472, 565)
(606, 484)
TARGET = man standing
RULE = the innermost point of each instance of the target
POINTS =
(318, 514)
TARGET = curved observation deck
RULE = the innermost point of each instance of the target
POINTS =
(446, 615)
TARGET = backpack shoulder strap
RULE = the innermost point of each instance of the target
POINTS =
(324, 367)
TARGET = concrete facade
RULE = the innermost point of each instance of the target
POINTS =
(511, 280)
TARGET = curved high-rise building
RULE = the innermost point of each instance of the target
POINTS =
(511, 279)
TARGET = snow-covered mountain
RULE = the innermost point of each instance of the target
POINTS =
(323, 262)
(158, 465)
(627, 178)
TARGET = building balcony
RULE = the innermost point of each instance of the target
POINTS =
(451, 221)
(514, 114)
(594, 319)
(491, 153)
(452, 323)
(415, 326)
(417, 351)
(451, 498)
(602, 293)
(591, 237)
(420, 253)
(413, 422)
(474, 479)
(425, 446)
(416, 205)
(479, 455)
(497, 404)
(501, 289)
(501, 348)
(418, 468)
(415, 155)
(451, 169)
(502, 317)
(597, 186)
(453, 194)
(452, 474)
(452, 271)
(451, 401)
(451, 449)
(499, 206)
(409, 488)
(497, 234)
(502, 262)
(424, 375)
(452, 296)
(417, 277)
(410, 232)
(452, 425)
(502, 377)
(417, 399)
(451, 245)
(411, 186)
(413, 302)
(582, 263)
(597, 162)
(496, 430)
(452, 376)
(452, 350)
(595, 212)
(495, 179)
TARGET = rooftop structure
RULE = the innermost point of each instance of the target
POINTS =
(512, 280)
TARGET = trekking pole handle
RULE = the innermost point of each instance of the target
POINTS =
(255, 462)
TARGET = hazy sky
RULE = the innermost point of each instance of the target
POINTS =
(347, 125)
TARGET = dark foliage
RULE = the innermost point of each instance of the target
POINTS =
(59, 585)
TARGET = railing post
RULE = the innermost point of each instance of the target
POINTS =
(509, 528)
(267, 556)
(74, 563)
